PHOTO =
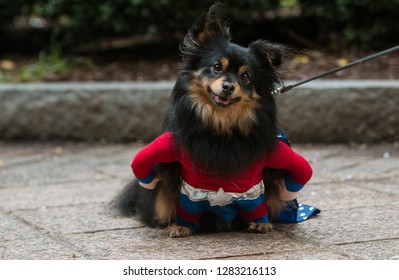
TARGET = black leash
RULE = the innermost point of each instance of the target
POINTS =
(283, 89)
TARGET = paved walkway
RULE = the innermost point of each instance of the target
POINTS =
(54, 205)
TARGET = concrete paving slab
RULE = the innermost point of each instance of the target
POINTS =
(82, 218)
(73, 193)
(316, 253)
(389, 186)
(370, 169)
(372, 250)
(62, 163)
(357, 163)
(20, 241)
(60, 209)
(48, 173)
(147, 243)
(352, 194)
(349, 225)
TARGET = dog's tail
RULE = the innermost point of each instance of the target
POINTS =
(136, 200)
(154, 207)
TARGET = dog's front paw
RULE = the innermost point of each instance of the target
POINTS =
(259, 228)
(178, 231)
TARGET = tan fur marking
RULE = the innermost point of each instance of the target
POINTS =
(206, 35)
(178, 231)
(242, 70)
(223, 120)
(225, 63)
(201, 38)
(273, 201)
(259, 228)
(216, 86)
(165, 205)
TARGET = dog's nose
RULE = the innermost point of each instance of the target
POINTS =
(228, 87)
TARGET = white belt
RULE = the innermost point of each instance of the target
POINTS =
(220, 197)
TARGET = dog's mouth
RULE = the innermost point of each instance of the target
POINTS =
(223, 101)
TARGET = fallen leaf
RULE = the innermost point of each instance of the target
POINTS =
(342, 61)
(7, 64)
(58, 150)
(301, 59)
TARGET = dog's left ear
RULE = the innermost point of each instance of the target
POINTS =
(272, 52)
(210, 26)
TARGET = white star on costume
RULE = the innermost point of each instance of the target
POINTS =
(220, 198)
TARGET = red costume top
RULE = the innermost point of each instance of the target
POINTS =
(163, 149)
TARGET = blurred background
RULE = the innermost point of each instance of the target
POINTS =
(138, 40)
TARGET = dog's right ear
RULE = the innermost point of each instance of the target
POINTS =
(208, 27)
(269, 52)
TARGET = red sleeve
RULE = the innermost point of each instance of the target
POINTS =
(162, 149)
(283, 157)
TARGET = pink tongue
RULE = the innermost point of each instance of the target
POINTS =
(222, 100)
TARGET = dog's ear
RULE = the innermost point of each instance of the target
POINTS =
(209, 26)
(272, 52)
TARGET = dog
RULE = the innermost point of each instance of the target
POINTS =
(220, 164)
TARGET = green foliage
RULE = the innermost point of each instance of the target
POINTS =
(288, 3)
(362, 23)
(75, 21)
(8, 12)
(49, 62)
(366, 23)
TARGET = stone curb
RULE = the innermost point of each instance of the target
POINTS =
(321, 111)
(342, 111)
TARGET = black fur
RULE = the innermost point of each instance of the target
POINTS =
(224, 154)
(230, 153)
(135, 200)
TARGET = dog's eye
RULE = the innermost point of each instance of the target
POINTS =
(245, 78)
(217, 68)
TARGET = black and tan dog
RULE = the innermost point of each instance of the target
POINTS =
(223, 115)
